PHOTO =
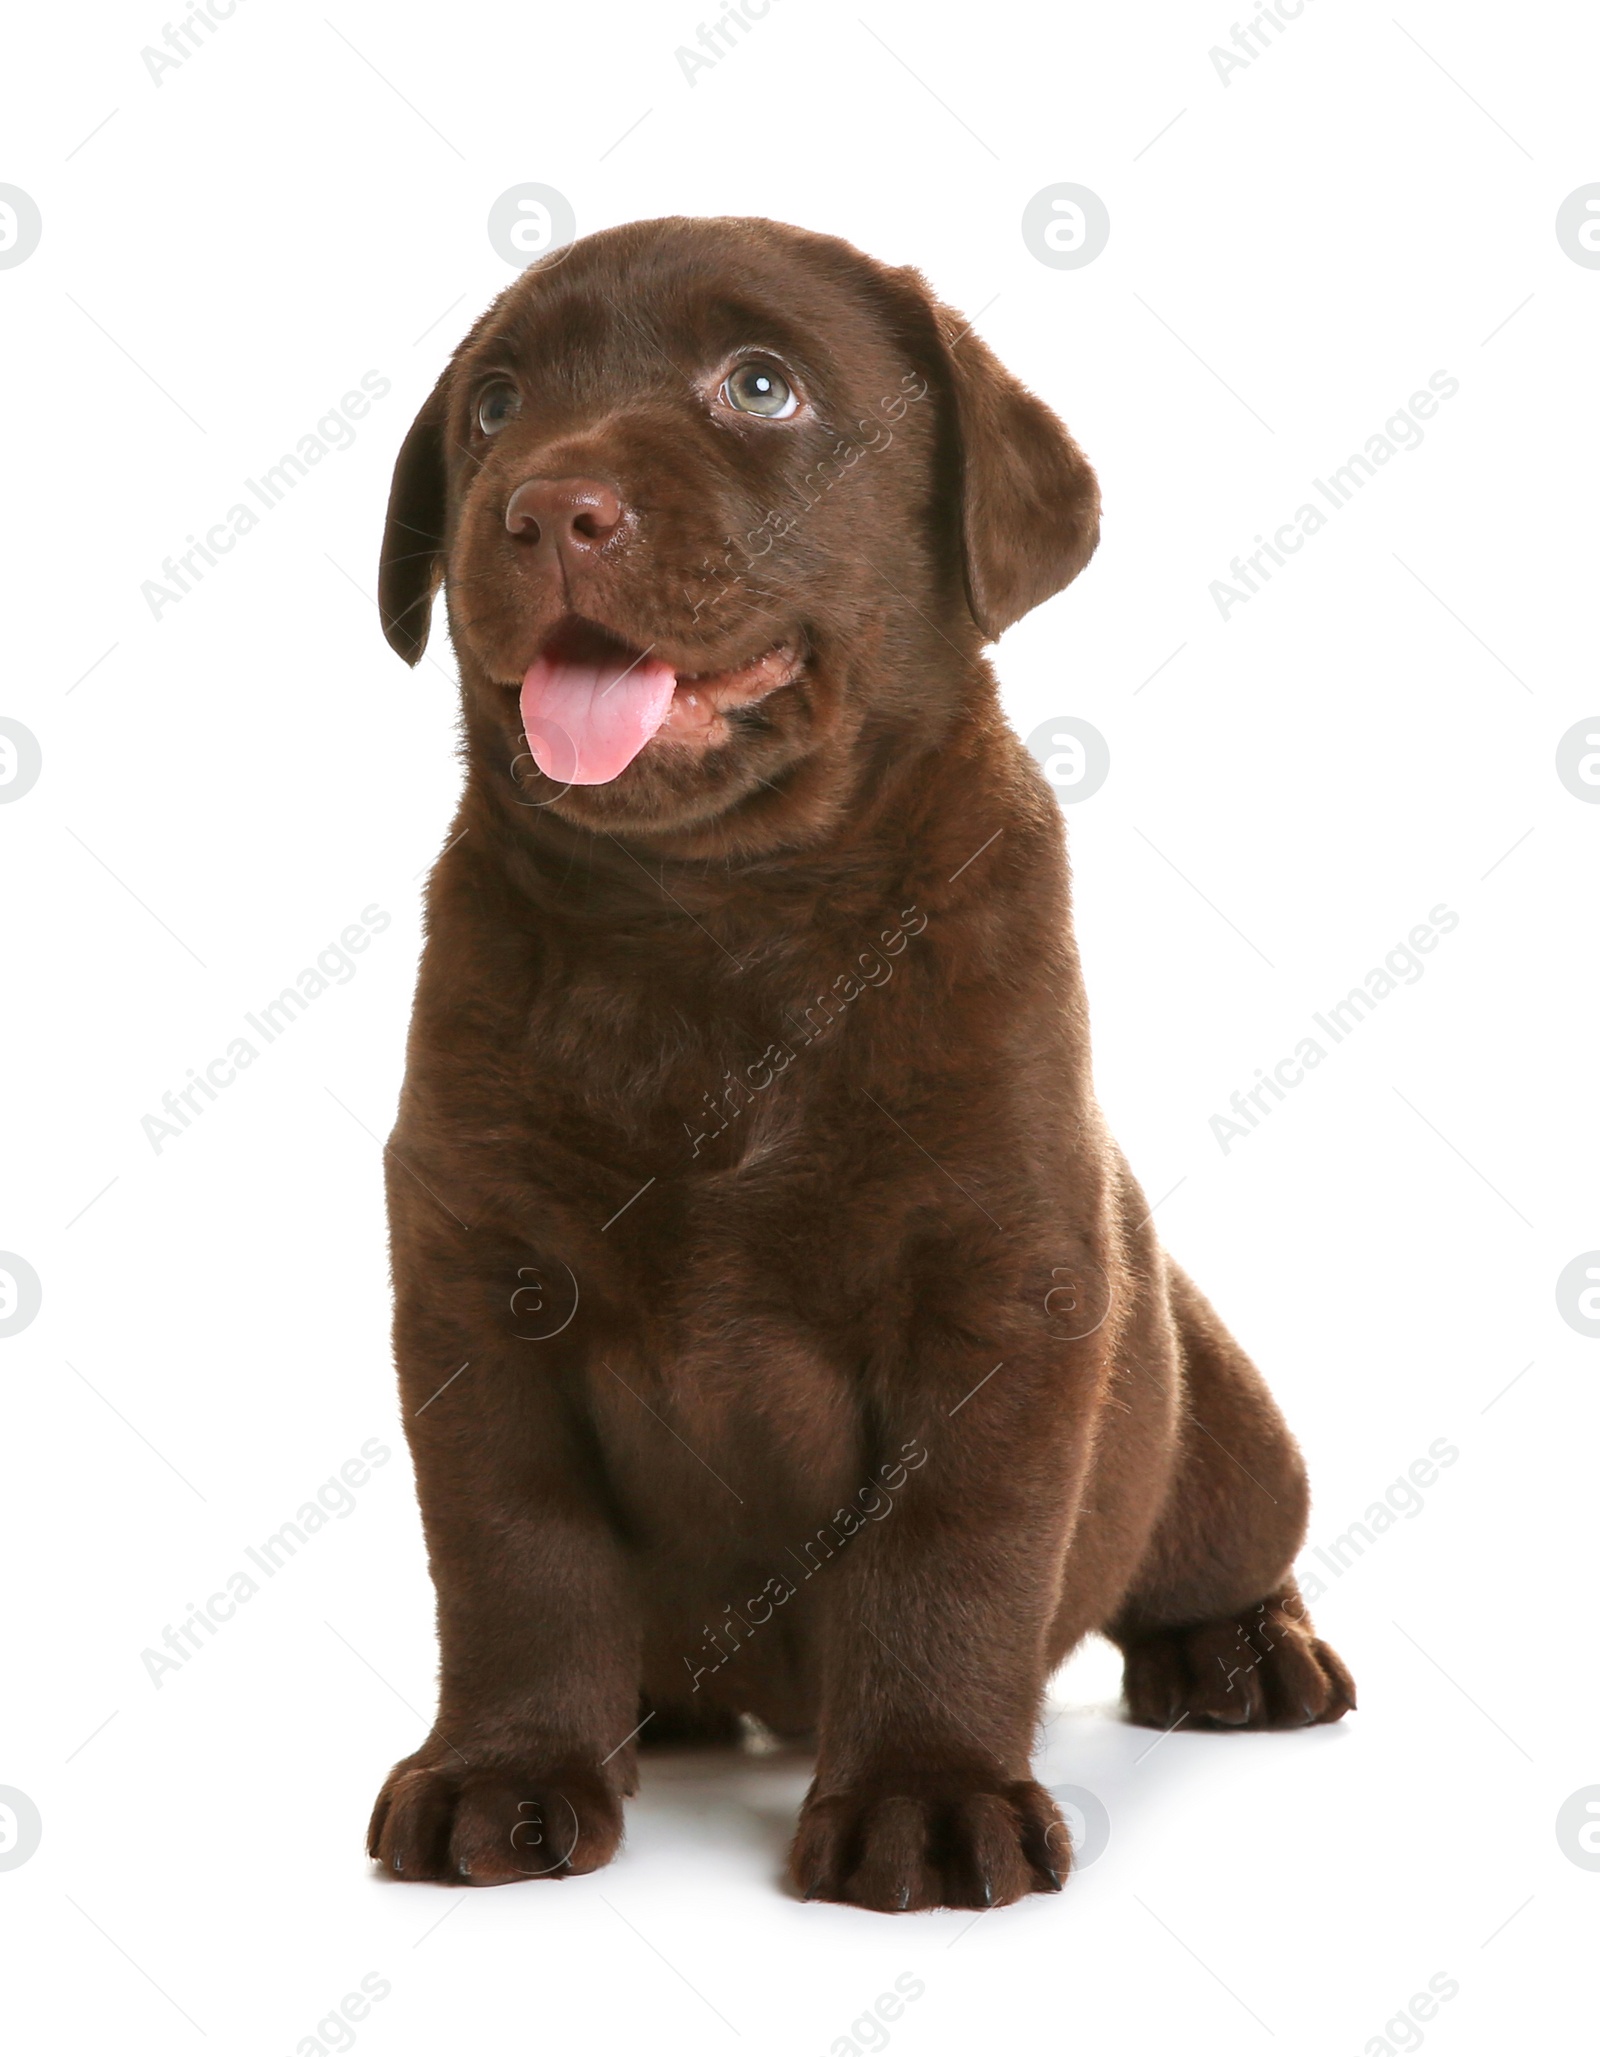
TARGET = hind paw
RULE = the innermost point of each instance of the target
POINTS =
(1264, 1668)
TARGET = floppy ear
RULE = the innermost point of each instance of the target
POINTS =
(1030, 503)
(412, 562)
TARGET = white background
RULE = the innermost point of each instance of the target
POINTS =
(227, 787)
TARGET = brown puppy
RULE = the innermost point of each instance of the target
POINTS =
(779, 1330)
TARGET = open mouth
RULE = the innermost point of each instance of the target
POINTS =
(591, 702)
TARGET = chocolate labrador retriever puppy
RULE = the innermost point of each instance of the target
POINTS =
(780, 1332)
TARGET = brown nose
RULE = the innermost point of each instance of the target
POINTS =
(566, 514)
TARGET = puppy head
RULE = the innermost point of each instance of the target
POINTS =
(721, 508)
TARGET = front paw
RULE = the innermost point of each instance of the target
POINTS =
(900, 1841)
(493, 1825)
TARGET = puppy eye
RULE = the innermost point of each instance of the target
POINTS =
(498, 404)
(758, 388)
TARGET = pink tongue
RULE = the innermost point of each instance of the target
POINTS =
(585, 723)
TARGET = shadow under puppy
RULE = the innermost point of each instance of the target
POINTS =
(779, 1330)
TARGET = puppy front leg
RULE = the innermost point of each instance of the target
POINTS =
(938, 1618)
(525, 1768)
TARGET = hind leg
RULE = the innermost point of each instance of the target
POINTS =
(1262, 1667)
(1213, 1630)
